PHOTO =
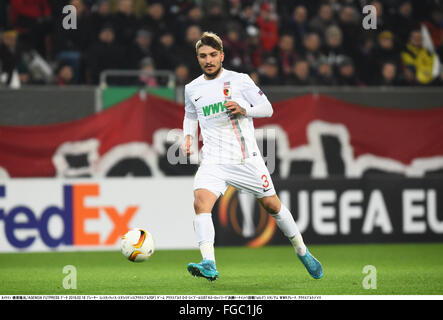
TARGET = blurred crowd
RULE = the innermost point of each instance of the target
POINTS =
(280, 42)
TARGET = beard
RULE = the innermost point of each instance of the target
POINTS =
(212, 75)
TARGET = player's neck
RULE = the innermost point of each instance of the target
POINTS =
(215, 76)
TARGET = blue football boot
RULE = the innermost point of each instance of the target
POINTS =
(205, 269)
(312, 265)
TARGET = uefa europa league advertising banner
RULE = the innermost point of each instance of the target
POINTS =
(54, 214)
(338, 210)
(348, 173)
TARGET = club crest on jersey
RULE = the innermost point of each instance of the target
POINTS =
(227, 90)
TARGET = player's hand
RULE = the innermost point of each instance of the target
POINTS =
(186, 146)
(234, 108)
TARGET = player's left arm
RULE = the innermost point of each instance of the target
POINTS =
(257, 106)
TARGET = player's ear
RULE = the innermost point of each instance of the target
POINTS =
(222, 56)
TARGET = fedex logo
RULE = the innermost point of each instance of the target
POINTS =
(74, 212)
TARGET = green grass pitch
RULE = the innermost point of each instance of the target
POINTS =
(401, 269)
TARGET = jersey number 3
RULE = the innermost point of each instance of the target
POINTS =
(265, 181)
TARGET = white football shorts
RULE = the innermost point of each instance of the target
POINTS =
(252, 176)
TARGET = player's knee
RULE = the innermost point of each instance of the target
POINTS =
(272, 205)
(198, 205)
(202, 205)
(273, 209)
(204, 200)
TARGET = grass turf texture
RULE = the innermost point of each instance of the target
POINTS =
(274, 270)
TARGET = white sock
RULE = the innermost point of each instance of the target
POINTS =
(204, 229)
(298, 244)
(286, 223)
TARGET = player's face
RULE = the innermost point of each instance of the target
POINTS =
(210, 61)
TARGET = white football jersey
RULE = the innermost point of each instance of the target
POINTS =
(225, 139)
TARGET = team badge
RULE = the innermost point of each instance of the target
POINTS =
(227, 92)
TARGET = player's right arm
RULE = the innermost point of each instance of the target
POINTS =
(190, 125)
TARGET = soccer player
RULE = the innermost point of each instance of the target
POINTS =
(224, 103)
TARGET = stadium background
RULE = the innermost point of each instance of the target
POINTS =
(89, 117)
